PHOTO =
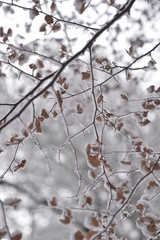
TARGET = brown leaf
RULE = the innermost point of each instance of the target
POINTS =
(89, 200)
(90, 234)
(9, 32)
(59, 98)
(99, 99)
(2, 234)
(63, 48)
(78, 236)
(20, 165)
(120, 125)
(43, 27)
(49, 19)
(53, 202)
(38, 126)
(99, 118)
(151, 89)
(45, 95)
(17, 236)
(79, 109)
(13, 202)
(152, 184)
(65, 86)
(112, 2)
(40, 63)
(85, 75)
(124, 97)
(144, 123)
(33, 66)
(31, 126)
(1, 31)
(55, 113)
(56, 27)
(53, 6)
(61, 80)
(67, 217)
(94, 222)
(126, 162)
(82, 9)
(21, 57)
(44, 113)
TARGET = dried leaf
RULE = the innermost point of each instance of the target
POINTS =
(94, 222)
(120, 125)
(38, 126)
(53, 202)
(112, 2)
(78, 236)
(89, 200)
(53, 6)
(2, 234)
(66, 86)
(43, 27)
(33, 66)
(59, 98)
(9, 32)
(85, 75)
(67, 217)
(45, 95)
(151, 89)
(63, 48)
(99, 118)
(99, 99)
(44, 113)
(40, 63)
(90, 234)
(55, 113)
(20, 165)
(145, 122)
(61, 80)
(124, 97)
(13, 202)
(126, 162)
(16, 236)
(79, 109)
(49, 19)
(1, 31)
(56, 27)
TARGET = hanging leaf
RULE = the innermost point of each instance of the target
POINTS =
(124, 97)
(59, 98)
(56, 27)
(49, 19)
(40, 63)
(20, 165)
(44, 113)
(12, 202)
(99, 99)
(144, 123)
(53, 6)
(38, 126)
(90, 234)
(16, 236)
(53, 202)
(85, 75)
(45, 95)
(43, 27)
(33, 66)
(79, 109)
(63, 48)
(78, 236)
(55, 113)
